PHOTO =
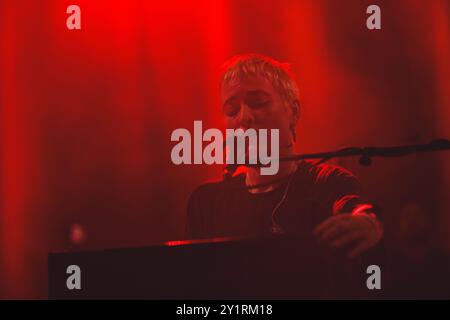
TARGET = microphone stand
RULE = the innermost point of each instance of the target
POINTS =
(365, 153)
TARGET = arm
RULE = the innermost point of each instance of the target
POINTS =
(358, 230)
(354, 224)
(196, 226)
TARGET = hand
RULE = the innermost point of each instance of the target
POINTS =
(359, 231)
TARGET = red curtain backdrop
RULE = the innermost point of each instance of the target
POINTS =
(86, 115)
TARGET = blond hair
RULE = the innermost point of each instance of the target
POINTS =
(278, 73)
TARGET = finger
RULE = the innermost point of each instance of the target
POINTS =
(360, 248)
(346, 239)
(329, 222)
(334, 231)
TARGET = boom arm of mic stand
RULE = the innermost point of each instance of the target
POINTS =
(366, 153)
(395, 151)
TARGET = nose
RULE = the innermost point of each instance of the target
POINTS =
(245, 117)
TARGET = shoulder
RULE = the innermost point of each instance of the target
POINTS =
(204, 191)
(212, 189)
(327, 179)
(326, 172)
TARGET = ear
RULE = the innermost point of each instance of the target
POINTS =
(295, 109)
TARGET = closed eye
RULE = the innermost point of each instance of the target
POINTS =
(257, 104)
(257, 99)
(231, 109)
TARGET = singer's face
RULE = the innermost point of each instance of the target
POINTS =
(252, 102)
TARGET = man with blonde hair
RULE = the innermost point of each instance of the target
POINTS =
(325, 201)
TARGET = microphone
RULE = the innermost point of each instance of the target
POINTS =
(231, 167)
